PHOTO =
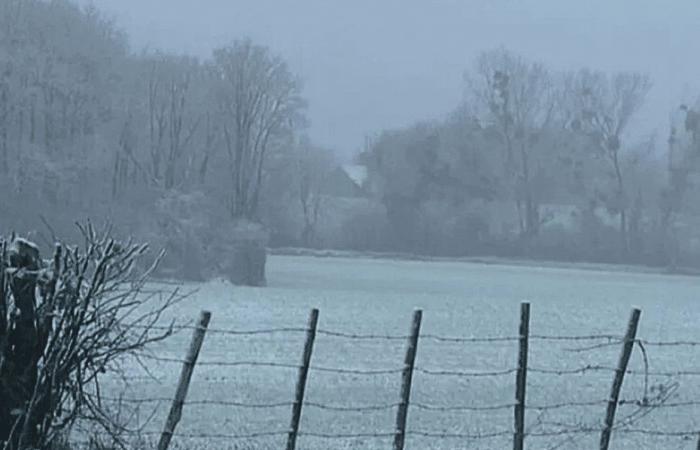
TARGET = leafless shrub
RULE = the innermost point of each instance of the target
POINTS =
(64, 324)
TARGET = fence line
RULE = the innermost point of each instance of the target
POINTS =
(539, 428)
(575, 429)
(467, 374)
(413, 404)
(423, 336)
(613, 339)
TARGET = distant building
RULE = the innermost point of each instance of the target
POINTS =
(346, 181)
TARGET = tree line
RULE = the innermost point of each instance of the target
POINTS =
(166, 146)
(549, 155)
(175, 149)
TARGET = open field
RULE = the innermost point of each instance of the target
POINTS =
(458, 299)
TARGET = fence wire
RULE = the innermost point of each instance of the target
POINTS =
(539, 428)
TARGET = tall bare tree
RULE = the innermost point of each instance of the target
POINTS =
(172, 122)
(260, 102)
(519, 99)
(210, 141)
(6, 110)
(313, 166)
(604, 106)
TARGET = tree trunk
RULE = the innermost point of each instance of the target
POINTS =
(533, 217)
(32, 121)
(170, 175)
(521, 219)
(20, 356)
(5, 150)
(203, 169)
(624, 247)
(624, 241)
(532, 220)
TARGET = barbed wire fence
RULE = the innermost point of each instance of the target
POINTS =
(556, 433)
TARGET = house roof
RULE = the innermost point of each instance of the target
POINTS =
(357, 173)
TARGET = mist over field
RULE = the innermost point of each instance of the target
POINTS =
(381, 190)
(536, 130)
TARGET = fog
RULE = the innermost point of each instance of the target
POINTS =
(281, 185)
(512, 129)
(372, 65)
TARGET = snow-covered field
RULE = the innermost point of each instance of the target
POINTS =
(458, 299)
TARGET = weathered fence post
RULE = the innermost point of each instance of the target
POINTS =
(627, 347)
(407, 376)
(521, 377)
(301, 381)
(184, 381)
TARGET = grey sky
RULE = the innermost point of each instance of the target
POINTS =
(374, 64)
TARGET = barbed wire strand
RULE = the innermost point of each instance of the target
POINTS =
(563, 371)
(591, 337)
(417, 405)
(435, 337)
(465, 374)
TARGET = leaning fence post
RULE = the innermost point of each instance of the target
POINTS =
(184, 381)
(406, 378)
(301, 381)
(627, 347)
(521, 377)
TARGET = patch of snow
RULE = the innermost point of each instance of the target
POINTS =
(357, 173)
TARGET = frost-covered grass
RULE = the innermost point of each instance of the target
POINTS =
(458, 299)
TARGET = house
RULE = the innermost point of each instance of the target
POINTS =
(346, 181)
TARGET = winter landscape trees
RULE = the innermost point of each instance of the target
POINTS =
(192, 154)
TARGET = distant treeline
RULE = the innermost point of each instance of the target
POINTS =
(174, 150)
(540, 164)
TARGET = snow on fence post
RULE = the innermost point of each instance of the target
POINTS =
(627, 347)
(184, 381)
(301, 381)
(521, 377)
(407, 376)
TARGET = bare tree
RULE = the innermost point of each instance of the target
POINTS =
(6, 110)
(519, 99)
(211, 139)
(604, 106)
(171, 122)
(680, 194)
(125, 156)
(260, 102)
(313, 165)
(63, 325)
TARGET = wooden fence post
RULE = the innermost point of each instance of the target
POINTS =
(627, 347)
(521, 377)
(407, 376)
(301, 381)
(184, 382)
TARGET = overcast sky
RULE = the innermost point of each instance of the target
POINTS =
(375, 64)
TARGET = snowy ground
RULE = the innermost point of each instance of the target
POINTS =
(458, 299)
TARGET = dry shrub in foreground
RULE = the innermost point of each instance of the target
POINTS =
(64, 324)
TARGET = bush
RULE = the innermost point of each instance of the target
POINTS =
(63, 325)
